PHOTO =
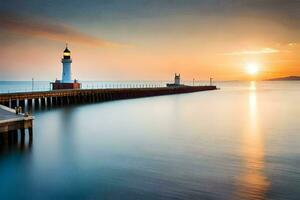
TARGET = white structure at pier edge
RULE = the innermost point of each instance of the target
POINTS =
(66, 62)
(177, 79)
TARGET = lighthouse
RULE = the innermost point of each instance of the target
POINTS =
(176, 81)
(66, 81)
(66, 62)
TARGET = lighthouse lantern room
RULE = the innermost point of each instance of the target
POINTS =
(66, 82)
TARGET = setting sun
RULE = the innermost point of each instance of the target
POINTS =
(252, 68)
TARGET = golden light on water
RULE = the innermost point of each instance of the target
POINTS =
(252, 86)
(252, 182)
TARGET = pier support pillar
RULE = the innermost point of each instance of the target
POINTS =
(37, 103)
(54, 101)
(74, 100)
(105, 97)
(57, 101)
(48, 100)
(5, 138)
(64, 100)
(12, 137)
(80, 99)
(22, 136)
(15, 136)
(22, 104)
(60, 101)
(13, 104)
(1, 139)
(43, 102)
(83, 99)
(30, 131)
(29, 103)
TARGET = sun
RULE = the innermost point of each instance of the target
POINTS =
(252, 68)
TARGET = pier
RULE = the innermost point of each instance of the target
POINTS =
(44, 99)
(13, 124)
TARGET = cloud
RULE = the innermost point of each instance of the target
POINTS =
(253, 52)
(292, 44)
(50, 30)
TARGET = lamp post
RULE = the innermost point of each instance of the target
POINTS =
(210, 81)
(32, 84)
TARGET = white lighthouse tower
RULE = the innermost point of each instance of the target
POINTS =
(66, 81)
(66, 62)
(177, 79)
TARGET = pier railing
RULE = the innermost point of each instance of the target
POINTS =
(39, 86)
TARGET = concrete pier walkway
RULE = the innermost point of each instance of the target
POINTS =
(11, 124)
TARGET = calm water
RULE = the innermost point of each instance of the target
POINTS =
(241, 142)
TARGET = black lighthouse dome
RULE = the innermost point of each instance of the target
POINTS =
(67, 53)
(67, 50)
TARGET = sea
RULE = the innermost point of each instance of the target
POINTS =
(237, 143)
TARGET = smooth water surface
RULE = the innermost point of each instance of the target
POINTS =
(240, 142)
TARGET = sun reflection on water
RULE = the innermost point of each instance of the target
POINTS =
(252, 106)
(252, 182)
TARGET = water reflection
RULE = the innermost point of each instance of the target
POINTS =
(252, 182)
(14, 143)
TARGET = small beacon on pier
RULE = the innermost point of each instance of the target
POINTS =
(176, 81)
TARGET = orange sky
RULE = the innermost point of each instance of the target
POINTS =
(126, 44)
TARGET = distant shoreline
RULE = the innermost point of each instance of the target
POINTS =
(286, 78)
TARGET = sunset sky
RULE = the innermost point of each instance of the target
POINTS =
(150, 39)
